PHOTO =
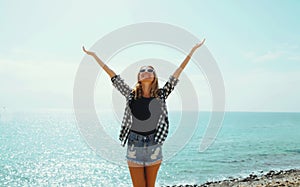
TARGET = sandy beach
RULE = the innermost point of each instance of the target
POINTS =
(272, 178)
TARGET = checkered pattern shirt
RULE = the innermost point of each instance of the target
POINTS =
(162, 127)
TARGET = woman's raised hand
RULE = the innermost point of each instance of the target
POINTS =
(88, 52)
(110, 72)
(198, 45)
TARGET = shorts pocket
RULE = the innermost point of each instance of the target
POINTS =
(132, 140)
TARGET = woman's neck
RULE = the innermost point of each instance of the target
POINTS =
(146, 87)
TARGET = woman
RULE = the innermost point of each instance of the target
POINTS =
(145, 123)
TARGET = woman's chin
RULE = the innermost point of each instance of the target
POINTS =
(147, 79)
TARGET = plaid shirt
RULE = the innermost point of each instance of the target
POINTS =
(162, 127)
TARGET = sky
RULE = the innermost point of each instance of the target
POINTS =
(255, 44)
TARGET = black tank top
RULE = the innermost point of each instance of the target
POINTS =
(145, 114)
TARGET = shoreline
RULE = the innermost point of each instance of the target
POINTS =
(290, 177)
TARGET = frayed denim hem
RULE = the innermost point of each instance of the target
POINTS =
(134, 161)
(150, 163)
(142, 162)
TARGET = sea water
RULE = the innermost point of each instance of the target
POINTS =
(46, 149)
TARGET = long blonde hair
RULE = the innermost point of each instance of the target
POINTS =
(154, 87)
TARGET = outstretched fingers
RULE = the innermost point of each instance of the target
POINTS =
(198, 45)
(201, 43)
(88, 52)
(84, 49)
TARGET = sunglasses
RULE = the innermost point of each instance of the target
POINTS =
(150, 70)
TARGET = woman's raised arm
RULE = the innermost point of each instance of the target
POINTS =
(110, 72)
(116, 80)
(187, 59)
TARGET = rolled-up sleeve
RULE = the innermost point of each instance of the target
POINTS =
(169, 86)
(120, 85)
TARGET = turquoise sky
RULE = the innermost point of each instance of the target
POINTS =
(255, 43)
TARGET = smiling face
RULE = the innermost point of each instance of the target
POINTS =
(146, 74)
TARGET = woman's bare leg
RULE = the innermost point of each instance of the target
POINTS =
(137, 173)
(151, 173)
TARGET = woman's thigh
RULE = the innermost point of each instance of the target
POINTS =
(137, 173)
(151, 173)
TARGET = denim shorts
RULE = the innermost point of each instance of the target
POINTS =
(143, 149)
